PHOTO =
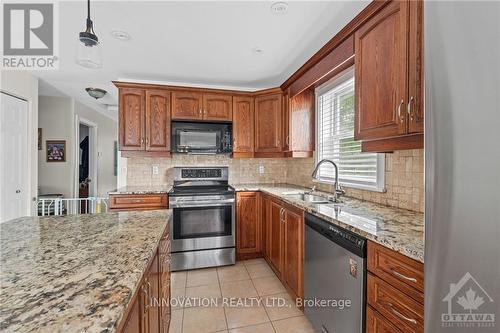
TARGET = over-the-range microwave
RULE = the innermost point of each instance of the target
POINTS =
(202, 138)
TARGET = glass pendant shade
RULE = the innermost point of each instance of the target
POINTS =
(88, 53)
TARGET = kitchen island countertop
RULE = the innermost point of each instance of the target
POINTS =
(74, 273)
(398, 229)
(156, 189)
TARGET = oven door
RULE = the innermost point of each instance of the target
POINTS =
(202, 226)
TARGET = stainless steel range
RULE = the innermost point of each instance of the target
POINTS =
(203, 227)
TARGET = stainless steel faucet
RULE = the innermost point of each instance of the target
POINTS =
(337, 189)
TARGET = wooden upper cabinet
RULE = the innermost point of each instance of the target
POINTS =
(131, 119)
(243, 126)
(293, 242)
(381, 74)
(415, 105)
(301, 130)
(248, 241)
(187, 105)
(286, 122)
(268, 123)
(217, 107)
(157, 120)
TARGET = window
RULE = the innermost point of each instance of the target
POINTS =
(335, 138)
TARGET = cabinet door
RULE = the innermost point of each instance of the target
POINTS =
(302, 122)
(144, 301)
(154, 296)
(133, 323)
(293, 249)
(376, 323)
(266, 226)
(268, 123)
(243, 124)
(157, 120)
(217, 107)
(131, 114)
(286, 122)
(381, 74)
(275, 246)
(187, 105)
(164, 265)
(248, 224)
(415, 107)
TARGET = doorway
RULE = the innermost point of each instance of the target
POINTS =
(14, 191)
(86, 184)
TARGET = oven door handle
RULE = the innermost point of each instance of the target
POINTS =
(202, 204)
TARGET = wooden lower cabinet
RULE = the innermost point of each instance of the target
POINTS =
(149, 311)
(376, 323)
(248, 229)
(124, 202)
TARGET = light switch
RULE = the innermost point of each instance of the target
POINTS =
(261, 169)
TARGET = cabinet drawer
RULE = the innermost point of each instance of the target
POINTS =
(400, 309)
(400, 271)
(376, 323)
(137, 201)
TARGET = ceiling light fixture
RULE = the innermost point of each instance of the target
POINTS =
(279, 8)
(96, 92)
(120, 35)
(88, 53)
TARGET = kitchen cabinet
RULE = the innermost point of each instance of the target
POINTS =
(187, 105)
(395, 291)
(388, 103)
(248, 225)
(268, 125)
(293, 249)
(164, 267)
(243, 126)
(133, 322)
(196, 105)
(275, 235)
(124, 202)
(144, 122)
(217, 107)
(301, 126)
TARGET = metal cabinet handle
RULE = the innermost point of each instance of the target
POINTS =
(288, 140)
(399, 111)
(142, 140)
(403, 276)
(147, 141)
(410, 113)
(402, 316)
(199, 111)
(138, 200)
(146, 294)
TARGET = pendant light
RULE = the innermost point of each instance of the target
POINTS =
(88, 53)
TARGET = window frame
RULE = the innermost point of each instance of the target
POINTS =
(338, 80)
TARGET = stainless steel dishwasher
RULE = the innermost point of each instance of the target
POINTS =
(334, 274)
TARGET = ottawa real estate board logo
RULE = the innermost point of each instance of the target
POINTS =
(30, 35)
(468, 305)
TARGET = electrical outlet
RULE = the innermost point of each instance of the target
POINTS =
(261, 169)
(155, 170)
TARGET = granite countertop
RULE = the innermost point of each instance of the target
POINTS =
(74, 273)
(398, 229)
(156, 189)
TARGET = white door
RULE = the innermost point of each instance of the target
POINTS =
(14, 196)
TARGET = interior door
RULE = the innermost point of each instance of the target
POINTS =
(14, 196)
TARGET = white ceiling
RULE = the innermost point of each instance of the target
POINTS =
(193, 43)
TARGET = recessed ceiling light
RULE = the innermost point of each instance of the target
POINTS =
(279, 8)
(120, 35)
(257, 50)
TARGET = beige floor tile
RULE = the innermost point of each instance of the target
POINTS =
(293, 325)
(262, 328)
(178, 279)
(268, 285)
(232, 273)
(254, 261)
(259, 270)
(177, 298)
(242, 288)
(194, 294)
(280, 306)
(201, 277)
(203, 320)
(245, 316)
(176, 321)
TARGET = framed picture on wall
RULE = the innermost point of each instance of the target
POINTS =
(56, 150)
(39, 139)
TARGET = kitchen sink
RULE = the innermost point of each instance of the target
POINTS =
(311, 198)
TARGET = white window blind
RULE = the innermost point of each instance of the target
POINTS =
(335, 138)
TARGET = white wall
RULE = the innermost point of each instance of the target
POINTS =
(107, 134)
(24, 85)
(55, 117)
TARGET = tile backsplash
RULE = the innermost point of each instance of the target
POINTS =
(404, 174)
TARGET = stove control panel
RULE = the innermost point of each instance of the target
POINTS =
(201, 173)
